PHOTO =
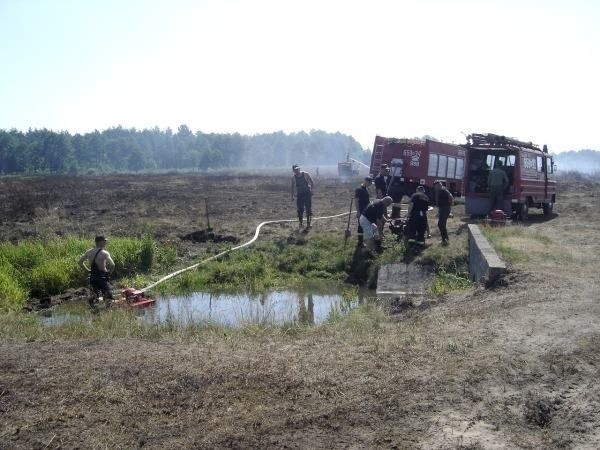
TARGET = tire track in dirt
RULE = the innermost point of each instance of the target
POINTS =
(545, 377)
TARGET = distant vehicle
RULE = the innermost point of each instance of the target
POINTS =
(530, 173)
(347, 169)
(350, 167)
(415, 162)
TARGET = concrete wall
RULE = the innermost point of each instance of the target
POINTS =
(484, 263)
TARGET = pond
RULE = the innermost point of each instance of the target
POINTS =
(272, 308)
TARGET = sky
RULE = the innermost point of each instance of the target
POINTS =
(406, 68)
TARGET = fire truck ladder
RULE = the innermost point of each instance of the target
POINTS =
(495, 141)
(377, 157)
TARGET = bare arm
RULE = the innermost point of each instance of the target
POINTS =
(81, 262)
(110, 264)
(309, 180)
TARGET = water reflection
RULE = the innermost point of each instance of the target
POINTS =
(271, 308)
(306, 312)
(65, 314)
(236, 309)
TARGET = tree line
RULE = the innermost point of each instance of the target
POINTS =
(132, 150)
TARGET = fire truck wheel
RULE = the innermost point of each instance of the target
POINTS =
(547, 208)
(524, 212)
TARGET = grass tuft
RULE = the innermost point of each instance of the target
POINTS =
(445, 282)
(517, 244)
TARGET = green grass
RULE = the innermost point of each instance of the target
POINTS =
(450, 259)
(12, 294)
(445, 282)
(39, 268)
(268, 266)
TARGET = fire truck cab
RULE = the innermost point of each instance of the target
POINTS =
(530, 172)
(414, 162)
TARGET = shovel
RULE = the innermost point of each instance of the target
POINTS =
(347, 232)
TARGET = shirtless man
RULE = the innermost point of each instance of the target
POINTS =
(101, 265)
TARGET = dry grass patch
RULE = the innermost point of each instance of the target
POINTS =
(524, 245)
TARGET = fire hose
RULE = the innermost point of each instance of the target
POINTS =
(232, 249)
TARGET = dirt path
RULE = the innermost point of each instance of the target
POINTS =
(512, 367)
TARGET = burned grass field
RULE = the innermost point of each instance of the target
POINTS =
(512, 366)
(167, 206)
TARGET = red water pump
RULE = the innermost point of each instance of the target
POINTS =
(137, 298)
(497, 217)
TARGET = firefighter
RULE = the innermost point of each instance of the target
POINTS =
(497, 184)
(361, 194)
(381, 181)
(417, 216)
(372, 221)
(302, 186)
(444, 201)
(101, 265)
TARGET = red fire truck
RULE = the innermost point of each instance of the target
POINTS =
(530, 174)
(415, 162)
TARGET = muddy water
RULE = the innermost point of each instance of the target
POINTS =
(272, 308)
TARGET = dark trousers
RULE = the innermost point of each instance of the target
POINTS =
(444, 213)
(360, 234)
(496, 198)
(304, 201)
(417, 225)
(100, 284)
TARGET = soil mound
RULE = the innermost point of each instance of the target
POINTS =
(201, 236)
(70, 295)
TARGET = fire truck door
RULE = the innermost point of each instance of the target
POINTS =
(396, 167)
(545, 169)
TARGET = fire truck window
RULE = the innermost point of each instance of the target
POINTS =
(510, 160)
(451, 167)
(433, 162)
(551, 165)
(490, 161)
(539, 164)
(443, 163)
(460, 168)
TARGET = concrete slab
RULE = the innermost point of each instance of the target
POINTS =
(403, 279)
(484, 263)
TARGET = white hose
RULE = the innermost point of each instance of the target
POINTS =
(174, 274)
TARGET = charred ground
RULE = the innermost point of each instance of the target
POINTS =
(512, 366)
(168, 206)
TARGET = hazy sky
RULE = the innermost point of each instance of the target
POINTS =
(524, 68)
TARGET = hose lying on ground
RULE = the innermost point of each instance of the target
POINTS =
(245, 244)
